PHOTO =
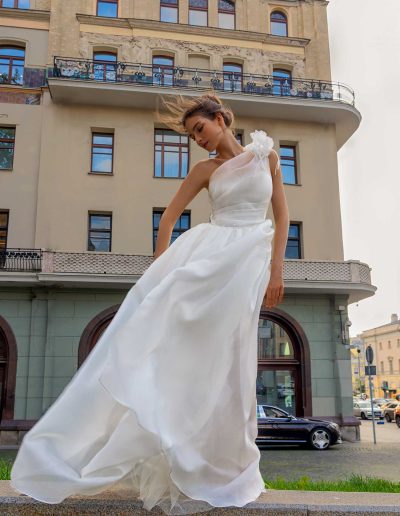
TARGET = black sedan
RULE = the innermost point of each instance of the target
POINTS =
(276, 426)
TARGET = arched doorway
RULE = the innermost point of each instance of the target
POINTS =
(93, 331)
(8, 369)
(284, 370)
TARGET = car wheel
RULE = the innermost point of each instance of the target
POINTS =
(398, 421)
(320, 439)
(388, 418)
(363, 416)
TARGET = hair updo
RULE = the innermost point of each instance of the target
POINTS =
(180, 108)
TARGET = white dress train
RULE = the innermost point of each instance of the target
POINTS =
(165, 403)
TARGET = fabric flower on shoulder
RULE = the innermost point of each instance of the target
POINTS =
(261, 144)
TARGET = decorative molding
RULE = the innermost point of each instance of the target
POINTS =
(181, 28)
(25, 14)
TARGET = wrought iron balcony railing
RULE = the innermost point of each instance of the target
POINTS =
(18, 259)
(182, 77)
(24, 76)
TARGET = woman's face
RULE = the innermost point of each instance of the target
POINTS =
(206, 133)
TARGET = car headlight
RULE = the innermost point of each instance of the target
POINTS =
(334, 425)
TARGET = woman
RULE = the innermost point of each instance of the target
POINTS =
(165, 403)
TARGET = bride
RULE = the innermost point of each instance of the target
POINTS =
(165, 403)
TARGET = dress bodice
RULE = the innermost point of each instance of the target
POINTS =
(240, 189)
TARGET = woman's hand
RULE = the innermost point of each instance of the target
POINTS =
(274, 293)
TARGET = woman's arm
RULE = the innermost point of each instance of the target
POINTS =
(193, 183)
(275, 290)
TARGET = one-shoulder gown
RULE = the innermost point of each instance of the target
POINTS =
(165, 402)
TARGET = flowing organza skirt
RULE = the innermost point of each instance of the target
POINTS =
(165, 403)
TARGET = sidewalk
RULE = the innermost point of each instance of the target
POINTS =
(273, 503)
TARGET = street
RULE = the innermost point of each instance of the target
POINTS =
(363, 458)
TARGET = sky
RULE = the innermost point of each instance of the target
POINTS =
(364, 38)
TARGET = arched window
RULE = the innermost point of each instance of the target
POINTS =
(12, 60)
(226, 14)
(284, 368)
(279, 25)
(282, 82)
(163, 70)
(105, 66)
(233, 77)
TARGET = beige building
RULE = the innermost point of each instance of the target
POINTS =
(385, 342)
(86, 171)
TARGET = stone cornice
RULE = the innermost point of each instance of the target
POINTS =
(181, 28)
(25, 14)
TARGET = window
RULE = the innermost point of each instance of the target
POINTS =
(233, 78)
(390, 365)
(163, 70)
(382, 367)
(389, 345)
(380, 345)
(171, 153)
(4, 214)
(99, 238)
(7, 143)
(105, 66)
(293, 249)
(239, 138)
(226, 14)
(15, 4)
(279, 24)
(169, 11)
(278, 376)
(282, 82)
(288, 164)
(181, 225)
(12, 61)
(108, 8)
(198, 12)
(102, 153)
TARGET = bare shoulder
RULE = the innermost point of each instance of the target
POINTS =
(202, 170)
(274, 162)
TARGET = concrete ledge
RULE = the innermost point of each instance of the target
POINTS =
(273, 503)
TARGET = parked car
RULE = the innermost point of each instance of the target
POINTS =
(397, 416)
(362, 409)
(382, 401)
(388, 410)
(278, 427)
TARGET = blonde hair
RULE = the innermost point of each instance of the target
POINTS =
(179, 108)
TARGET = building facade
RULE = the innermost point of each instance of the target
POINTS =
(385, 343)
(86, 172)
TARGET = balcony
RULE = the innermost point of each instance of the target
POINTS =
(137, 85)
(20, 260)
(114, 270)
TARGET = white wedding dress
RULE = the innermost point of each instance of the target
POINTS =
(165, 402)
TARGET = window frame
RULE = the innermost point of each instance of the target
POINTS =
(101, 214)
(116, 2)
(160, 211)
(4, 228)
(11, 63)
(289, 158)
(285, 23)
(202, 9)
(102, 145)
(231, 63)
(169, 6)
(12, 140)
(16, 5)
(225, 11)
(170, 144)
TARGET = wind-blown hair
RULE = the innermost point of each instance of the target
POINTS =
(179, 108)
